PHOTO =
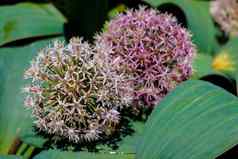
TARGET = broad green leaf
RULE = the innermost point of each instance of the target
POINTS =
(226, 59)
(9, 157)
(197, 121)
(54, 154)
(199, 21)
(27, 20)
(202, 66)
(232, 46)
(13, 116)
(224, 62)
(128, 143)
(29, 136)
(231, 49)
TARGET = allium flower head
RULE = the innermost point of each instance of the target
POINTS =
(66, 93)
(225, 13)
(150, 51)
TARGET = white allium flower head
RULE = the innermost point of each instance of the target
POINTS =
(68, 94)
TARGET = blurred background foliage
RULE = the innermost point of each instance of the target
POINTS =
(27, 26)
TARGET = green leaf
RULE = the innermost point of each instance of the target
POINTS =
(27, 20)
(128, 143)
(232, 46)
(29, 136)
(9, 157)
(198, 19)
(54, 154)
(197, 121)
(202, 66)
(13, 116)
(227, 56)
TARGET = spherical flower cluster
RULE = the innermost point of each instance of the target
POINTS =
(225, 13)
(66, 94)
(150, 50)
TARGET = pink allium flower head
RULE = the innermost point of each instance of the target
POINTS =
(150, 51)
